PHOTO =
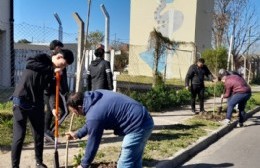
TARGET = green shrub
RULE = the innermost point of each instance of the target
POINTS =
(218, 87)
(6, 106)
(162, 97)
(251, 103)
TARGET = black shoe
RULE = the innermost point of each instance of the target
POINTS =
(41, 165)
(49, 137)
(240, 125)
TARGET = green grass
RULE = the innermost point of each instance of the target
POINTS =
(6, 126)
(256, 96)
(146, 79)
(165, 143)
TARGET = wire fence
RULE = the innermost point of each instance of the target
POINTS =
(30, 40)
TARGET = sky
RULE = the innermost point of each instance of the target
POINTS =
(41, 13)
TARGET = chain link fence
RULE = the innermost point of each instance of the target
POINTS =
(30, 40)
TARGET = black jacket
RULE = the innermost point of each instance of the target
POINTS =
(39, 71)
(99, 75)
(196, 75)
(50, 91)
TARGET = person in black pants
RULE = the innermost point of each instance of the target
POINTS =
(49, 97)
(194, 81)
(28, 101)
(99, 75)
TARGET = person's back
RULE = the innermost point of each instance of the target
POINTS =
(236, 84)
(119, 112)
(98, 72)
(99, 75)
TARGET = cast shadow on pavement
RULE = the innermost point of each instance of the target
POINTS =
(208, 165)
(253, 121)
(178, 126)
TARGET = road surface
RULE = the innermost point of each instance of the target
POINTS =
(239, 149)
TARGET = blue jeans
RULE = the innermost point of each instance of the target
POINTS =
(133, 147)
(240, 99)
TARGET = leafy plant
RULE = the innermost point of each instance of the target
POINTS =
(77, 158)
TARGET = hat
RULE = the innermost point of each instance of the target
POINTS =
(55, 43)
(67, 55)
(99, 52)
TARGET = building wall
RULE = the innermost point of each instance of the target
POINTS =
(203, 33)
(5, 71)
(176, 19)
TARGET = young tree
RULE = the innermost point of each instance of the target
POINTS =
(94, 38)
(23, 41)
(121, 60)
(216, 58)
(237, 18)
(158, 43)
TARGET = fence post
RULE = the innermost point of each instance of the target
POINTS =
(80, 59)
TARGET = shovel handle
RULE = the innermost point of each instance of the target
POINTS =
(58, 78)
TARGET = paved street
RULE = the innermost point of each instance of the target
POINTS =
(240, 149)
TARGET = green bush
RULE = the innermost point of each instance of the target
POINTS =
(251, 103)
(161, 97)
(6, 106)
(218, 87)
(215, 58)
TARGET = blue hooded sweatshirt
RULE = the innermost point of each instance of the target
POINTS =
(109, 110)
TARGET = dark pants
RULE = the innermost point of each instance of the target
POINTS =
(49, 123)
(240, 99)
(197, 90)
(36, 118)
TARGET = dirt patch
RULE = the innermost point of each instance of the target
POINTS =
(104, 165)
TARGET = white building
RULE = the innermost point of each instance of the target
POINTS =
(186, 21)
(6, 52)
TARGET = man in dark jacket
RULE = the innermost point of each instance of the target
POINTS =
(99, 75)
(28, 101)
(194, 81)
(105, 109)
(49, 96)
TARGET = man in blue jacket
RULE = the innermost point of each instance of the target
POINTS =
(105, 109)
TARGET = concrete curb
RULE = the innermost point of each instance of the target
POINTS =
(184, 155)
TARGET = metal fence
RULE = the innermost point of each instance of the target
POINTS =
(137, 76)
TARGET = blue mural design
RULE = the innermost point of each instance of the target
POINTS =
(167, 23)
(147, 56)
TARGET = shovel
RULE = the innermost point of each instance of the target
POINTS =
(220, 108)
(67, 143)
(56, 132)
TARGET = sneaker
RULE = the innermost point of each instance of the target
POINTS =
(194, 112)
(41, 165)
(49, 137)
(203, 112)
(225, 122)
(240, 125)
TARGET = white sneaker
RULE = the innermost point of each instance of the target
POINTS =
(225, 122)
